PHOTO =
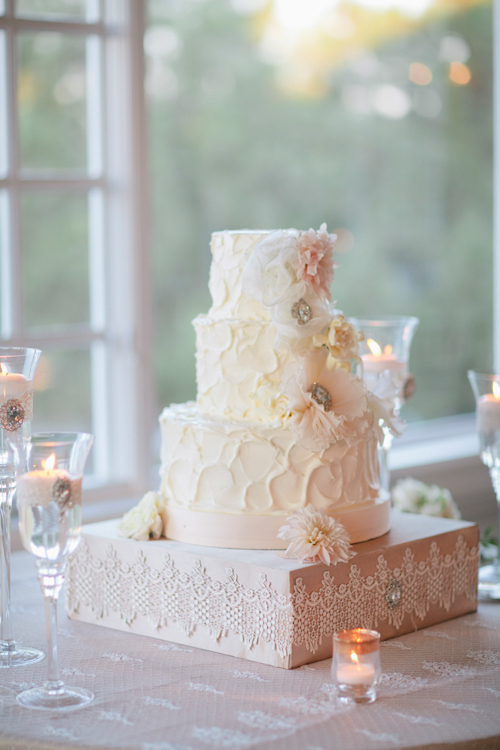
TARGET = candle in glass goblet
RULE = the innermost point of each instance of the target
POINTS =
(42, 496)
(488, 411)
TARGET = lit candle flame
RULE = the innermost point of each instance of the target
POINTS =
(388, 349)
(496, 390)
(354, 657)
(3, 369)
(374, 347)
(49, 464)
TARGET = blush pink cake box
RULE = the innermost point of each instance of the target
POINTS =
(256, 605)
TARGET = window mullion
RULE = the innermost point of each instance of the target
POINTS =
(13, 326)
(496, 186)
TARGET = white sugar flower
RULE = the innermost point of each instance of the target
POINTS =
(413, 496)
(144, 520)
(315, 537)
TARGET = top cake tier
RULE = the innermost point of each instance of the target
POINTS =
(230, 252)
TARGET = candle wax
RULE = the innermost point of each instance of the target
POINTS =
(35, 487)
(13, 385)
(381, 362)
(488, 413)
(355, 674)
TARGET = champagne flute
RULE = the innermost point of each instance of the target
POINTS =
(17, 370)
(49, 499)
(487, 392)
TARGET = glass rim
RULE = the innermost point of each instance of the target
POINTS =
(386, 320)
(359, 640)
(492, 376)
(18, 351)
(60, 438)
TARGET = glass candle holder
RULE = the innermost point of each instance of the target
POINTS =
(487, 392)
(385, 353)
(17, 370)
(49, 498)
(356, 665)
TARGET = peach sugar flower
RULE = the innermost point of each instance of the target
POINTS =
(325, 405)
(315, 537)
(314, 263)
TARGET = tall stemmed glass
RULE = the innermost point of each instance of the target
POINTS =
(487, 392)
(17, 370)
(49, 499)
(385, 353)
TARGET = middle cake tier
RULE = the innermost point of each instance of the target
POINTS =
(237, 366)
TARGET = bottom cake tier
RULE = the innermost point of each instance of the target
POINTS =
(259, 606)
(233, 483)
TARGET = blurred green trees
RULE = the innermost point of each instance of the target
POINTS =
(229, 150)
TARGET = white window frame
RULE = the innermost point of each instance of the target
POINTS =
(118, 334)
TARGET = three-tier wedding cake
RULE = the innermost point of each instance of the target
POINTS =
(280, 421)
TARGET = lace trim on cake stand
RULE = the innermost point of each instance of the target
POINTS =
(301, 618)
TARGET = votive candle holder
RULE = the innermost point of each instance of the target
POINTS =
(356, 665)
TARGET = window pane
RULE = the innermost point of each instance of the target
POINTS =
(62, 392)
(76, 10)
(268, 115)
(52, 101)
(55, 259)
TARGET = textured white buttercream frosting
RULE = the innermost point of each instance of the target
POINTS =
(234, 358)
(230, 253)
(233, 452)
(215, 464)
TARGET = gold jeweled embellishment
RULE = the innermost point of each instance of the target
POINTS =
(393, 594)
(12, 415)
(302, 312)
(61, 492)
(321, 395)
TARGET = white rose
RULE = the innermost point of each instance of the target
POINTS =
(144, 521)
(407, 495)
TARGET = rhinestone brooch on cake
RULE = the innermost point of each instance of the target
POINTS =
(61, 492)
(321, 395)
(302, 312)
(12, 415)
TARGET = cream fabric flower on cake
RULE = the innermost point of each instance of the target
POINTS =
(324, 405)
(144, 520)
(342, 341)
(290, 273)
(315, 537)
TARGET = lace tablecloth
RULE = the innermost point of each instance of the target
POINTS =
(440, 685)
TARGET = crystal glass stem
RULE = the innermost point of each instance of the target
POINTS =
(495, 480)
(7, 488)
(51, 578)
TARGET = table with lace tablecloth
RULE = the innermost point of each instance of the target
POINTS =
(440, 687)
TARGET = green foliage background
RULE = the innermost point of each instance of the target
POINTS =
(228, 150)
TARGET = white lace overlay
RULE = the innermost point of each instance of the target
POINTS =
(300, 618)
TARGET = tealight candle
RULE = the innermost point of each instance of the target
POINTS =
(46, 485)
(12, 384)
(378, 361)
(488, 411)
(356, 664)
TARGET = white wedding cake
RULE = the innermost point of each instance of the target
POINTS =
(280, 421)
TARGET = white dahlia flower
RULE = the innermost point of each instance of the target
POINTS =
(315, 537)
